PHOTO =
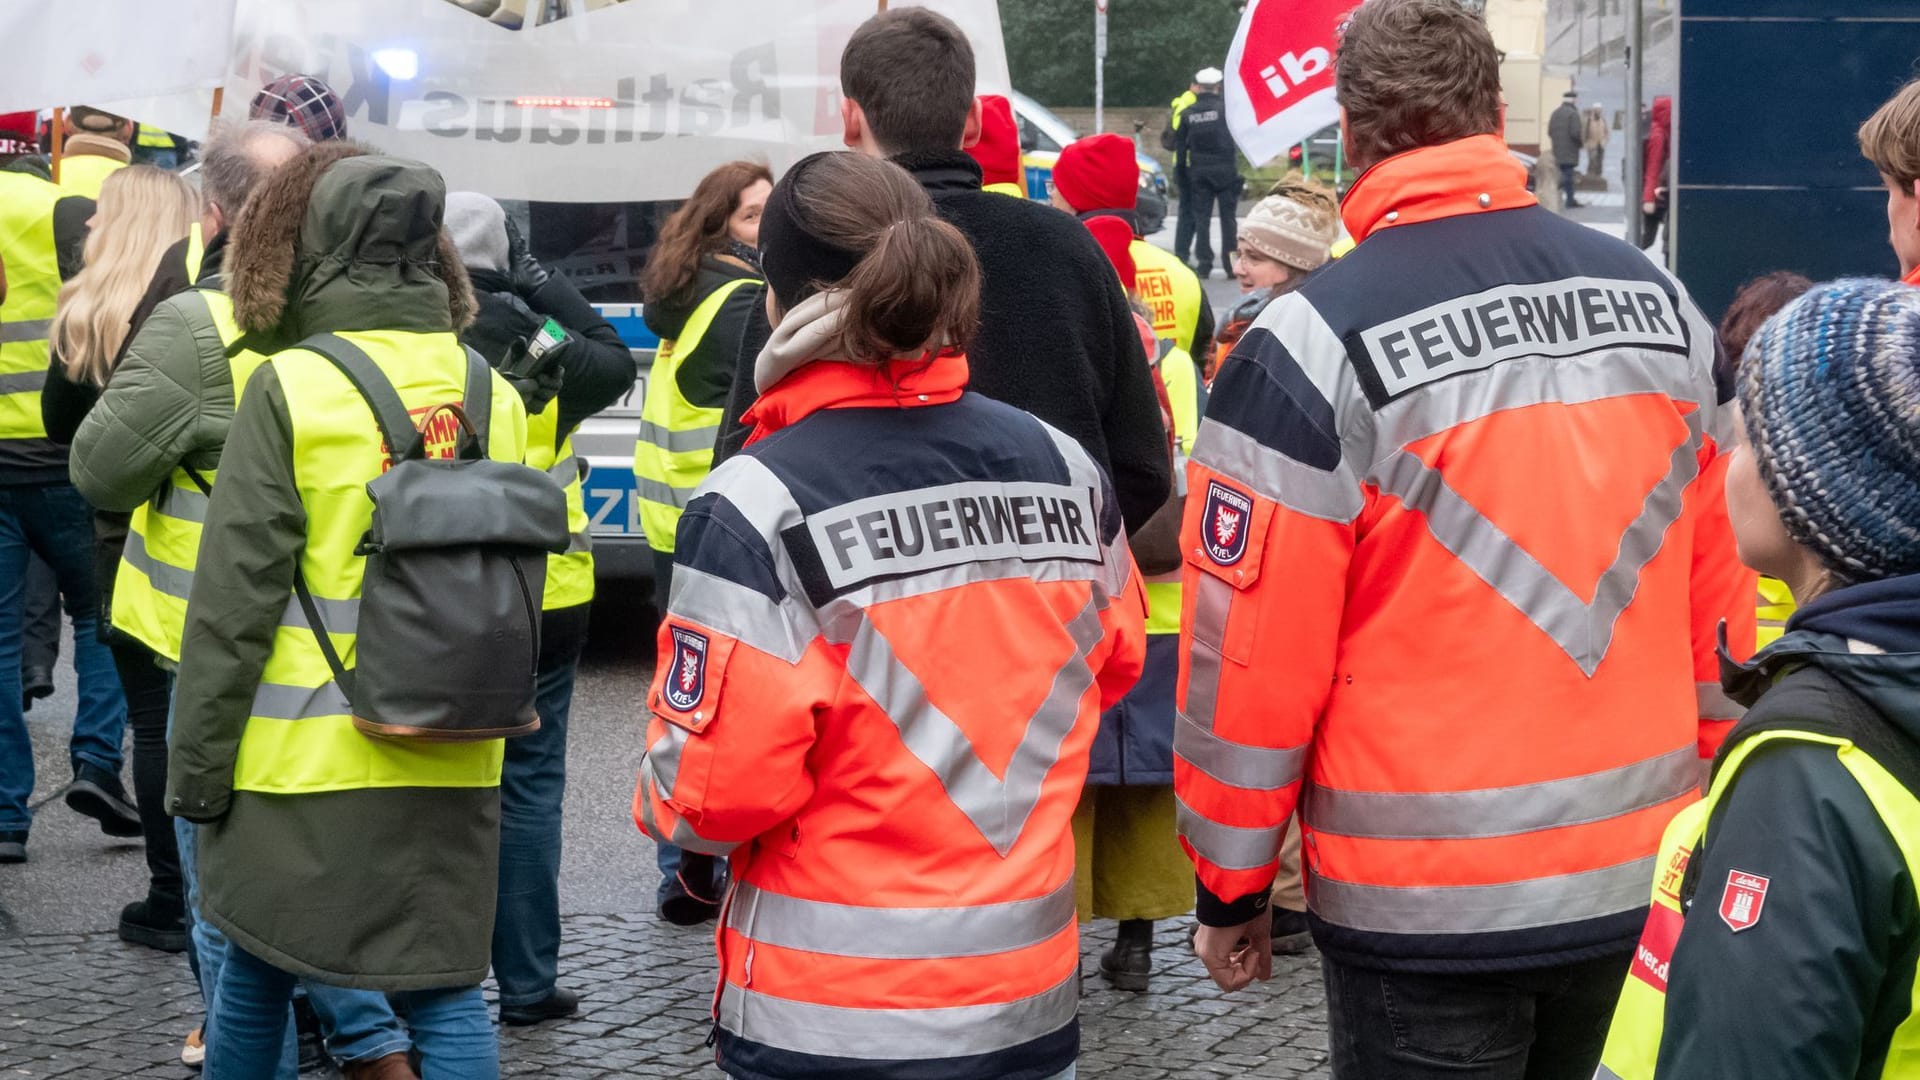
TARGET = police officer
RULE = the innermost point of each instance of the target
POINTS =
(1205, 151)
(1182, 228)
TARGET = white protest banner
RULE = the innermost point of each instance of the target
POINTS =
(627, 102)
(1280, 74)
(88, 52)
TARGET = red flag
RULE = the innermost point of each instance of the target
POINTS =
(1280, 74)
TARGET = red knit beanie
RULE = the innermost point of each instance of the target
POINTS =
(1099, 172)
(1116, 239)
(998, 150)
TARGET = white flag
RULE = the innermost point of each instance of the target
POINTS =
(89, 52)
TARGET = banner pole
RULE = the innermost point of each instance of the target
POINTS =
(59, 139)
(219, 97)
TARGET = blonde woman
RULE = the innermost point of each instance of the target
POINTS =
(140, 213)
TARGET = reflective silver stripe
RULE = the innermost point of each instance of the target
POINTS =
(341, 616)
(26, 330)
(759, 495)
(1332, 496)
(923, 933)
(1212, 602)
(662, 762)
(999, 808)
(1715, 704)
(682, 835)
(1255, 768)
(1584, 630)
(657, 492)
(179, 503)
(882, 1034)
(279, 701)
(746, 615)
(166, 578)
(1117, 558)
(884, 590)
(1504, 811)
(23, 382)
(566, 470)
(579, 542)
(1477, 909)
(1229, 847)
(1604, 1073)
(1542, 380)
(678, 442)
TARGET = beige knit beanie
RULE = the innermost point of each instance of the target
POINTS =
(1296, 224)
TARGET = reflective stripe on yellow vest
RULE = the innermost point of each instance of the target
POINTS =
(675, 451)
(196, 252)
(570, 574)
(1182, 380)
(163, 536)
(32, 262)
(1776, 607)
(1633, 1043)
(1170, 291)
(299, 738)
(83, 174)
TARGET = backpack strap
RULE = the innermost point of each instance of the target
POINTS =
(478, 399)
(396, 425)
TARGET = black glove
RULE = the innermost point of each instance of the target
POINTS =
(533, 366)
(527, 273)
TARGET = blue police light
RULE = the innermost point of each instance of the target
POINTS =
(399, 64)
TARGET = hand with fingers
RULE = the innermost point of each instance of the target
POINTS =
(1237, 956)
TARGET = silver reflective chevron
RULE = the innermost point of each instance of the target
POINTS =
(998, 807)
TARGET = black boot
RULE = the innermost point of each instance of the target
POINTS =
(1129, 964)
(694, 896)
(1290, 933)
(155, 924)
(99, 794)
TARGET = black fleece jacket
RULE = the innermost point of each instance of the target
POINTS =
(1056, 336)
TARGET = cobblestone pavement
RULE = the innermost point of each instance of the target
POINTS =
(75, 1002)
(88, 1006)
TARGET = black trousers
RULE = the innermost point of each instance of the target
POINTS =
(1211, 191)
(145, 686)
(1548, 1024)
(40, 644)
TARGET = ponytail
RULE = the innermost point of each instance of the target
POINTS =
(917, 291)
(908, 283)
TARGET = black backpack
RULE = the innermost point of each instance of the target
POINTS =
(448, 637)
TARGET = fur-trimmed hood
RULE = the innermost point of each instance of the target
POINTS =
(343, 238)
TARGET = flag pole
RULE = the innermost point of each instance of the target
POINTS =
(219, 97)
(59, 139)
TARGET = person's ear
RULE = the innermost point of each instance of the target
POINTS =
(970, 137)
(774, 314)
(212, 220)
(853, 123)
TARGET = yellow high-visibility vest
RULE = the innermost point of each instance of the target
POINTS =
(300, 738)
(83, 174)
(569, 574)
(33, 284)
(155, 576)
(1639, 1021)
(1182, 379)
(675, 450)
(1171, 292)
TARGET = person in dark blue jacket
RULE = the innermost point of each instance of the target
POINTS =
(1786, 939)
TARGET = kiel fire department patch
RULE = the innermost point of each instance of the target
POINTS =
(686, 684)
(1223, 528)
(1740, 905)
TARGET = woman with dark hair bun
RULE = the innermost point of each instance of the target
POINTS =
(901, 609)
(703, 297)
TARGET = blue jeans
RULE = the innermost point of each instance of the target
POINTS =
(359, 1024)
(533, 784)
(53, 521)
(451, 1026)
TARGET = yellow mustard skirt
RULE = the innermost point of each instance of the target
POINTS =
(1128, 861)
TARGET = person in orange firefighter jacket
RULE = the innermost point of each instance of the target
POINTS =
(902, 903)
(1456, 553)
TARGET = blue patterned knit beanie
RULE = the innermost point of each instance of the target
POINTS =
(1831, 392)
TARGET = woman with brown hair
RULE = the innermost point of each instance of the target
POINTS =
(703, 295)
(906, 606)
